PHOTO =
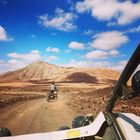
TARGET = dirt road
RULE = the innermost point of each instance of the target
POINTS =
(36, 116)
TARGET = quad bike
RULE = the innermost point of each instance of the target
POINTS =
(55, 94)
(107, 125)
(51, 95)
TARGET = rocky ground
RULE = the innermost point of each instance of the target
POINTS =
(96, 101)
(90, 99)
(73, 100)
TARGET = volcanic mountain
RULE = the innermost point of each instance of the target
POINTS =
(44, 71)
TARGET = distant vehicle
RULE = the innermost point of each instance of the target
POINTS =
(107, 125)
(51, 95)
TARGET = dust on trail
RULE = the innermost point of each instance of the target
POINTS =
(36, 116)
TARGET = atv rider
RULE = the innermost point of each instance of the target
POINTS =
(53, 88)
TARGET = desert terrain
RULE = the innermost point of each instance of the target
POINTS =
(23, 105)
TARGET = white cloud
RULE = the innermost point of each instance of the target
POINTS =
(32, 56)
(109, 40)
(87, 64)
(111, 10)
(1, 61)
(51, 49)
(3, 35)
(109, 24)
(133, 30)
(128, 16)
(100, 55)
(61, 20)
(76, 45)
(12, 61)
(88, 32)
(16, 64)
(114, 53)
(12, 64)
(97, 54)
(18, 60)
(51, 58)
(3, 66)
(35, 52)
(118, 66)
(77, 64)
(67, 51)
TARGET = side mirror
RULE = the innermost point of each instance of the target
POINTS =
(136, 82)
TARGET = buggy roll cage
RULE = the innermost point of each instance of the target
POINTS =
(132, 64)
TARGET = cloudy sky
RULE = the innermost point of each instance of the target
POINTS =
(87, 33)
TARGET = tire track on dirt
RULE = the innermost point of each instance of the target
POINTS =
(36, 116)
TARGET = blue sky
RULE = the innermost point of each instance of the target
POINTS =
(72, 33)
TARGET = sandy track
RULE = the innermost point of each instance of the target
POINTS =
(36, 116)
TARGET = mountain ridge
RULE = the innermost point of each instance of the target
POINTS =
(40, 70)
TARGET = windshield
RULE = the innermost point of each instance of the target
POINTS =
(61, 59)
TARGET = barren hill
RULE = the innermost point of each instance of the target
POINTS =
(43, 71)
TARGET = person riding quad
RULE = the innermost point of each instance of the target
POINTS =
(52, 93)
(53, 88)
